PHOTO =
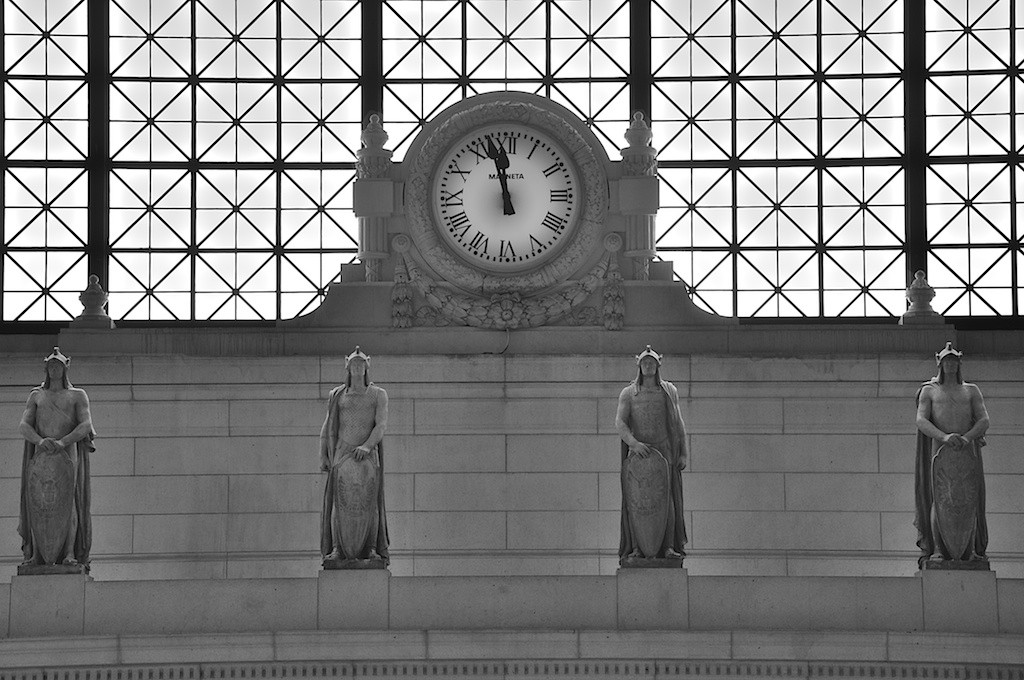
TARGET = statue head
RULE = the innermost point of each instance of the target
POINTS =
(357, 365)
(57, 368)
(648, 365)
(949, 360)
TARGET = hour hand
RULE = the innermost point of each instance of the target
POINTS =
(500, 158)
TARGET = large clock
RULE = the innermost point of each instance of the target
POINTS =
(506, 192)
(506, 197)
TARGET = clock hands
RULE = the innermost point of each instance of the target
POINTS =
(500, 158)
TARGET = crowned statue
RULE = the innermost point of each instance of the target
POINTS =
(649, 422)
(54, 521)
(353, 525)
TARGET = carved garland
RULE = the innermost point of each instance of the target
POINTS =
(422, 227)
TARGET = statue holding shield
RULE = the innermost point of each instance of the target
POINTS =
(353, 525)
(949, 480)
(653, 447)
(54, 520)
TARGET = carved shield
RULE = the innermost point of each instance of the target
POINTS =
(647, 500)
(355, 504)
(51, 492)
(956, 484)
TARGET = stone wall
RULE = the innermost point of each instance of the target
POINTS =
(207, 467)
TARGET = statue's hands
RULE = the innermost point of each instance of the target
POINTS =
(640, 450)
(48, 445)
(361, 452)
(955, 440)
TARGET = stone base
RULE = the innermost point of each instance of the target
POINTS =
(345, 563)
(45, 569)
(957, 565)
(651, 563)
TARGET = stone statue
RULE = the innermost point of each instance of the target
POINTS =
(353, 526)
(54, 523)
(653, 456)
(949, 478)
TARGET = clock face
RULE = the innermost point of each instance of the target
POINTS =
(506, 197)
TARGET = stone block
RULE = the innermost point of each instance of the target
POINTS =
(5, 608)
(809, 645)
(221, 605)
(732, 416)
(563, 453)
(1005, 531)
(226, 392)
(193, 533)
(1002, 493)
(10, 461)
(51, 653)
(163, 495)
(775, 369)
(274, 455)
(563, 530)
(47, 606)
(833, 491)
(1004, 413)
(198, 370)
(804, 603)
(182, 455)
(441, 369)
(733, 491)
(711, 530)
(744, 565)
(207, 648)
(655, 644)
(896, 452)
(162, 419)
(10, 492)
(1002, 455)
(783, 389)
(502, 645)
(114, 457)
(447, 530)
(506, 563)
(148, 568)
(98, 370)
(241, 565)
(512, 491)
(445, 453)
(847, 416)
(277, 417)
(953, 650)
(274, 532)
(347, 645)
(276, 493)
(783, 453)
(603, 369)
(505, 416)
(960, 601)
(1010, 599)
(111, 534)
(503, 602)
(353, 599)
(421, 390)
(851, 564)
(652, 599)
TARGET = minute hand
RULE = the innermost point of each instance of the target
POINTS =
(500, 158)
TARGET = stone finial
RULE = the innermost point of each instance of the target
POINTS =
(93, 300)
(639, 158)
(919, 297)
(373, 160)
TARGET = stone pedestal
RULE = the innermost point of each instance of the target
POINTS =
(652, 599)
(960, 600)
(51, 569)
(52, 604)
(353, 599)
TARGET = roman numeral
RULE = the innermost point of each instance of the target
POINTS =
(510, 144)
(505, 249)
(558, 195)
(455, 169)
(553, 222)
(451, 199)
(535, 245)
(475, 148)
(460, 224)
(530, 155)
(479, 242)
(551, 169)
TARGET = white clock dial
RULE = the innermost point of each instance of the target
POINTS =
(506, 197)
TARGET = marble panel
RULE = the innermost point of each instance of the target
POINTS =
(194, 533)
(731, 416)
(277, 493)
(852, 564)
(226, 392)
(1010, 598)
(37, 653)
(1003, 493)
(5, 608)
(810, 646)
(652, 599)
(492, 644)
(11, 452)
(785, 530)
(162, 607)
(512, 491)
(183, 455)
(563, 530)
(447, 530)
(954, 649)
(164, 495)
(561, 391)
(960, 601)
(805, 603)
(274, 532)
(113, 457)
(274, 455)
(10, 493)
(1004, 413)
(445, 453)
(206, 648)
(412, 368)
(288, 565)
(840, 491)
(772, 369)
(655, 644)
(847, 416)
(783, 389)
(51, 605)
(152, 568)
(329, 645)
(508, 602)
(162, 418)
(354, 599)
(745, 565)
(505, 416)
(897, 452)
(507, 563)
(1002, 455)
(563, 453)
(278, 417)
(599, 368)
(199, 370)
(1005, 532)
(783, 453)
(111, 534)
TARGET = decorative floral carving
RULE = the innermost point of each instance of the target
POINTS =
(614, 308)
(401, 298)
(373, 160)
(639, 158)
